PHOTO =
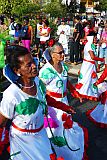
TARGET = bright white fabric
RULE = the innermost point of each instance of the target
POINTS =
(32, 146)
(99, 114)
(39, 28)
(63, 38)
(87, 69)
(43, 38)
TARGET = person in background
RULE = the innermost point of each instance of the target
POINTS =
(54, 76)
(27, 39)
(17, 33)
(12, 28)
(75, 43)
(37, 31)
(87, 74)
(25, 102)
(103, 46)
(3, 26)
(63, 32)
(44, 34)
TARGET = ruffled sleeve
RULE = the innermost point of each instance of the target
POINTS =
(7, 106)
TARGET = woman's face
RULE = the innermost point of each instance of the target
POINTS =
(58, 54)
(28, 67)
(25, 22)
(95, 40)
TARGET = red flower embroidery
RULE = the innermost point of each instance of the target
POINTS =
(53, 157)
(64, 117)
(79, 85)
(68, 122)
(93, 75)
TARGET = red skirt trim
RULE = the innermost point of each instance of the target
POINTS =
(99, 124)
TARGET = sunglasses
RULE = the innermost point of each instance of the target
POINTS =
(61, 52)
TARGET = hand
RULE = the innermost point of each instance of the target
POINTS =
(81, 100)
(62, 32)
(71, 111)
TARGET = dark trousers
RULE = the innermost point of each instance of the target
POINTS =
(74, 51)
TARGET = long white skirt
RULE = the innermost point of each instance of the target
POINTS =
(30, 146)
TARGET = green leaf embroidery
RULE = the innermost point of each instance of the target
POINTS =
(59, 141)
(48, 74)
(95, 87)
(65, 67)
(28, 106)
(42, 86)
(80, 76)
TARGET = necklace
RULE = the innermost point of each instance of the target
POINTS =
(26, 86)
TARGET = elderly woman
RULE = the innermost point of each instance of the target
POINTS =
(68, 134)
(87, 75)
(24, 103)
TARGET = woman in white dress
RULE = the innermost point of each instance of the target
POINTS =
(24, 103)
(67, 137)
(87, 75)
(98, 114)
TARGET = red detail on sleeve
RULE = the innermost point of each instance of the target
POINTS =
(93, 75)
(102, 77)
(79, 85)
(57, 104)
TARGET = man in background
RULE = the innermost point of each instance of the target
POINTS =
(75, 54)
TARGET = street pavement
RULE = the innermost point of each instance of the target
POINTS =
(97, 136)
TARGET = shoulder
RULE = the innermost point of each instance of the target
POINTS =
(46, 72)
(30, 27)
(11, 91)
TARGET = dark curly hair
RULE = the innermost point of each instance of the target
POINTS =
(13, 53)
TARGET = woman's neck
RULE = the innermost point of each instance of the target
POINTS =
(57, 65)
(26, 82)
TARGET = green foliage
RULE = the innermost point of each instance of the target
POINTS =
(55, 9)
(82, 7)
(21, 7)
(102, 6)
(53, 27)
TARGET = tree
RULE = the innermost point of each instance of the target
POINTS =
(21, 7)
(102, 6)
(82, 8)
(55, 9)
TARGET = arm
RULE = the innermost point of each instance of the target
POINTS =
(93, 57)
(72, 90)
(31, 34)
(3, 121)
(59, 105)
(77, 36)
(102, 77)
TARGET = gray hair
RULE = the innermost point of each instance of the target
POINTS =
(51, 49)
